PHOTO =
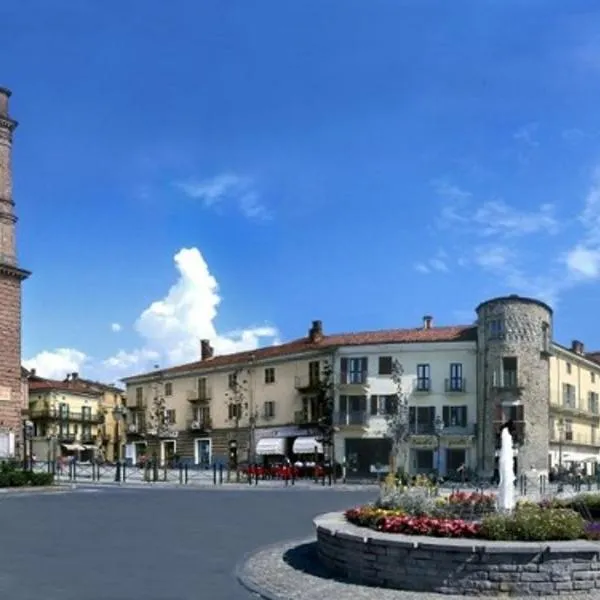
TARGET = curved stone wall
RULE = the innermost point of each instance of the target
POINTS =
(457, 566)
(521, 328)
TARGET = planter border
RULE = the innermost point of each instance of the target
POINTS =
(456, 565)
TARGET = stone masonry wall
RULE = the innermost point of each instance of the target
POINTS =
(457, 566)
(523, 337)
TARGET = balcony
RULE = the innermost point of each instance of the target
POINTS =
(302, 417)
(422, 385)
(88, 438)
(571, 437)
(138, 407)
(506, 381)
(571, 407)
(204, 424)
(351, 419)
(49, 414)
(136, 428)
(199, 396)
(455, 385)
(307, 383)
(353, 378)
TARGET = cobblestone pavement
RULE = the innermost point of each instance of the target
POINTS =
(291, 571)
(155, 544)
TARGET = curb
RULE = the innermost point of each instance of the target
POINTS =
(244, 579)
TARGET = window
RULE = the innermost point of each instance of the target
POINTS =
(569, 399)
(170, 416)
(423, 378)
(203, 389)
(234, 412)
(568, 366)
(568, 430)
(353, 409)
(232, 381)
(594, 435)
(455, 383)
(424, 460)
(168, 389)
(454, 416)
(421, 419)
(495, 328)
(63, 410)
(314, 371)
(86, 413)
(383, 405)
(593, 402)
(270, 375)
(354, 370)
(546, 337)
(139, 396)
(593, 377)
(385, 365)
(509, 372)
(269, 410)
(202, 415)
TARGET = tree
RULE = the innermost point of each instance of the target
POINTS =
(398, 422)
(238, 406)
(325, 397)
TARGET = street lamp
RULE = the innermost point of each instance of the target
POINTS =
(119, 412)
(439, 428)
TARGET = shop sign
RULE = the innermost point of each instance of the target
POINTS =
(422, 441)
(460, 441)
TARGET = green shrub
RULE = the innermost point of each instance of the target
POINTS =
(13, 479)
(41, 479)
(534, 524)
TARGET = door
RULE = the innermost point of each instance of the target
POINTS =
(203, 453)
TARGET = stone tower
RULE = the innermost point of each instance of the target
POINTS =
(514, 337)
(11, 277)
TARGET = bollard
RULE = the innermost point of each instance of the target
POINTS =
(124, 471)
(165, 471)
(215, 473)
(186, 473)
(329, 476)
(118, 472)
(255, 475)
(293, 475)
(155, 470)
(221, 474)
(180, 474)
(73, 471)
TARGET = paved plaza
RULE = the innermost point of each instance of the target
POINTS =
(151, 544)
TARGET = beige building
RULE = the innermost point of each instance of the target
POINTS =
(574, 406)
(67, 419)
(194, 412)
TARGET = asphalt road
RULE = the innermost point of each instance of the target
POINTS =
(147, 544)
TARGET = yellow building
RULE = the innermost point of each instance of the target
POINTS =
(67, 419)
(194, 412)
(574, 407)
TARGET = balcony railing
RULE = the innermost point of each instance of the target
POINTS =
(199, 395)
(353, 378)
(506, 380)
(359, 418)
(422, 385)
(73, 417)
(136, 428)
(306, 382)
(455, 385)
(573, 407)
(204, 424)
(570, 437)
(302, 417)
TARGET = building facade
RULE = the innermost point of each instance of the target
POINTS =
(11, 277)
(462, 385)
(67, 419)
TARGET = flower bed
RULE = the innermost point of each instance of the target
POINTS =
(473, 515)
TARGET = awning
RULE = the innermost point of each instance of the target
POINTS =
(270, 446)
(89, 447)
(73, 447)
(306, 445)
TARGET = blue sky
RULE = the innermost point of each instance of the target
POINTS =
(236, 169)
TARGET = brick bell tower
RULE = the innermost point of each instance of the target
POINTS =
(11, 277)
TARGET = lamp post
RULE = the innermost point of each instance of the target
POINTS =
(118, 414)
(439, 428)
(27, 445)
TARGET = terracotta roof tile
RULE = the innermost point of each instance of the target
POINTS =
(456, 333)
(40, 384)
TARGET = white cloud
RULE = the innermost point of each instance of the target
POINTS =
(173, 325)
(227, 188)
(57, 363)
(170, 329)
(583, 262)
(115, 327)
(437, 263)
(493, 258)
(526, 135)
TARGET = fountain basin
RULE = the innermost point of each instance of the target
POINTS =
(457, 566)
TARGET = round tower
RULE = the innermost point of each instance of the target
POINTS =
(514, 335)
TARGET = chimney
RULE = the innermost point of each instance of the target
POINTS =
(32, 372)
(5, 94)
(206, 350)
(74, 376)
(427, 322)
(577, 347)
(315, 333)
